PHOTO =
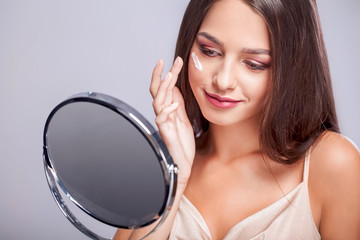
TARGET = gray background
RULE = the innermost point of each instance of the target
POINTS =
(50, 50)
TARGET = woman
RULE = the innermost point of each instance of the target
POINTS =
(242, 118)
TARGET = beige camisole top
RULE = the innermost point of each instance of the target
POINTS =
(288, 218)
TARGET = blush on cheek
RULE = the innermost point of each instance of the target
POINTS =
(196, 61)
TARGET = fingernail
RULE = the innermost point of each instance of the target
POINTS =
(177, 60)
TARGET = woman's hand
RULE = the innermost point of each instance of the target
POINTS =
(171, 118)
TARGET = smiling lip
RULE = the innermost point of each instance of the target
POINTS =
(221, 102)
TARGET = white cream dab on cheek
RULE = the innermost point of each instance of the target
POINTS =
(197, 63)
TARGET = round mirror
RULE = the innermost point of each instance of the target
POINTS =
(109, 160)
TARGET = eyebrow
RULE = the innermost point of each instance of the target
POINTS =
(256, 51)
(244, 50)
(211, 38)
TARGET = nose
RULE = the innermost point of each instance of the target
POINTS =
(224, 79)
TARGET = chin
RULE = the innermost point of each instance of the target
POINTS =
(230, 118)
(221, 119)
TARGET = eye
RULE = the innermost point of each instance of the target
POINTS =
(255, 66)
(209, 51)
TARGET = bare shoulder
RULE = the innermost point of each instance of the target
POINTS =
(334, 186)
(336, 154)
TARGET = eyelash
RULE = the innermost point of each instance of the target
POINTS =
(252, 65)
(208, 52)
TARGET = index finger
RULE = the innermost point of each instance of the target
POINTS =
(176, 68)
(156, 77)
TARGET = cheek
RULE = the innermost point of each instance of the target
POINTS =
(257, 88)
(200, 70)
(198, 65)
(264, 87)
(196, 77)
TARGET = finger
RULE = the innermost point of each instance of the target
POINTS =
(159, 99)
(177, 96)
(156, 77)
(176, 68)
(163, 116)
(181, 112)
(169, 92)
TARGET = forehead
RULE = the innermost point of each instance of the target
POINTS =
(236, 24)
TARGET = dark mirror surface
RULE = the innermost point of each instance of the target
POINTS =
(105, 164)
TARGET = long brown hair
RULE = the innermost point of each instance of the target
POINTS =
(301, 103)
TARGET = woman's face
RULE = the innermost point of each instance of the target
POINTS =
(233, 49)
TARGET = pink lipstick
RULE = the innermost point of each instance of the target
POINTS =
(221, 102)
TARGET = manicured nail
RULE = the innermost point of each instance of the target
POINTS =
(177, 60)
(160, 62)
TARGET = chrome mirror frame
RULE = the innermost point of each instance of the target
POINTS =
(152, 136)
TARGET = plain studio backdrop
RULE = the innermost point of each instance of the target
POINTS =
(50, 50)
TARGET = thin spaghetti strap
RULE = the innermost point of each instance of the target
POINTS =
(306, 166)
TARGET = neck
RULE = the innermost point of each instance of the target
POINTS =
(234, 141)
